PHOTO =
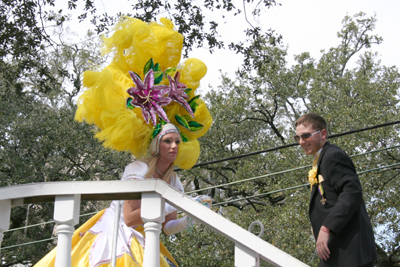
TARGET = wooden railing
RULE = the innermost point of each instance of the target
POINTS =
(249, 249)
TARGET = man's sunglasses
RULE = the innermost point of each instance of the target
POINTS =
(304, 136)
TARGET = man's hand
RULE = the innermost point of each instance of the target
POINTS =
(322, 243)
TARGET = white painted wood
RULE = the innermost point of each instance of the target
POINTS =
(152, 213)
(245, 257)
(5, 213)
(66, 215)
(117, 215)
(104, 189)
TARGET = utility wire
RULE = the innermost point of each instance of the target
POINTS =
(290, 145)
(227, 184)
(44, 223)
(294, 187)
(281, 172)
(225, 202)
(253, 196)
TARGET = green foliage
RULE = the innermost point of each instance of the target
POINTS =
(40, 142)
(351, 89)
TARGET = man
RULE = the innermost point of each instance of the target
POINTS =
(339, 219)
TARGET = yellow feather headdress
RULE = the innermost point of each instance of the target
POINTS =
(145, 79)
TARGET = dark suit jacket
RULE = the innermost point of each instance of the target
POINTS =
(352, 240)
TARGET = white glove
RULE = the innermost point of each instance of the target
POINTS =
(175, 226)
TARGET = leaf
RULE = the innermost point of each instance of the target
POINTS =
(194, 99)
(170, 71)
(184, 137)
(195, 126)
(128, 103)
(188, 91)
(182, 121)
(149, 65)
(157, 67)
(193, 104)
(137, 75)
(158, 76)
(157, 130)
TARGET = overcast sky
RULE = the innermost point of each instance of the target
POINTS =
(312, 25)
(306, 26)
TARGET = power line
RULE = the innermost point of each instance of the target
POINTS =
(290, 145)
(253, 178)
(236, 182)
(44, 223)
(297, 186)
(285, 171)
(225, 202)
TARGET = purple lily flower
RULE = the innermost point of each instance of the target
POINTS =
(177, 92)
(148, 97)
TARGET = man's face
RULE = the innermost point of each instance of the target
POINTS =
(314, 143)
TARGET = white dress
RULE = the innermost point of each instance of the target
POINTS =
(92, 242)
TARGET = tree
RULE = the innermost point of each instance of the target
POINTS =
(40, 142)
(25, 26)
(40, 78)
(347, 86)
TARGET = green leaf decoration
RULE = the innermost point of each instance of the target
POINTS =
(187, 91)
(194, 99)
(156, 130)
(170, 71)
(193, 104)
(137, 75)
(187, 117)
(158, 76)
(129, 104)
(157, 67)
(182, 121)
(195, 126)
(149, 65)
(184, 137)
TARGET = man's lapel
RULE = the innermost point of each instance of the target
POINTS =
(324, 148)
(314, 188)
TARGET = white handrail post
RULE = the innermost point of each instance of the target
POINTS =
(66, 215)
(245, 257)
(117, 215)
(152, 213)
(5, 213)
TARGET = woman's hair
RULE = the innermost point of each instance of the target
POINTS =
(152, 162)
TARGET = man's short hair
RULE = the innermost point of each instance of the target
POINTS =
(317, 122)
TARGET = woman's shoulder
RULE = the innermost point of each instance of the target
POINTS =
(176, 182)
(135, 170)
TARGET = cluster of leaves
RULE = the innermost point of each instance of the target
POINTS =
(40, 142)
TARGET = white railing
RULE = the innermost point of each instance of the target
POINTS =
(249, 249)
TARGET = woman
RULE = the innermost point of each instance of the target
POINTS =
(143, 102)
(164, 150)
(92, 242)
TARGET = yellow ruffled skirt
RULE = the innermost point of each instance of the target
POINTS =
(84, 242)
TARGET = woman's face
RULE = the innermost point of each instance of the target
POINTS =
(169, 147)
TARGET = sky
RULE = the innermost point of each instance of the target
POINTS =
(306, 26)
(312, 25)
